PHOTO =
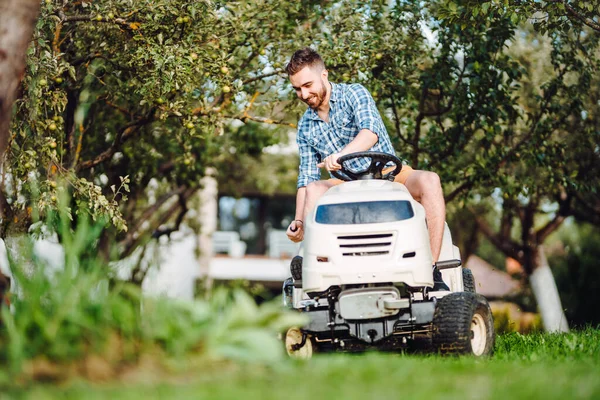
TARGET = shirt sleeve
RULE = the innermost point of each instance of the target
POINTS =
(308, 171)
(365, 111)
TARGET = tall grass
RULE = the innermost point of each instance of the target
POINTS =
(575, 345)
(62, 321)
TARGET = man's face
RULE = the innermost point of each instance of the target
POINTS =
(311, 86)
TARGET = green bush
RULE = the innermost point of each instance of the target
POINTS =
(63, 318)
(524, 323)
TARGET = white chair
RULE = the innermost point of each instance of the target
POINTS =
(228, 242)
(280, 246)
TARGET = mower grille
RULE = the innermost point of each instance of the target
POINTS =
(366, 245)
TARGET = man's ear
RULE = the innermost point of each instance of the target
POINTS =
(325, 74)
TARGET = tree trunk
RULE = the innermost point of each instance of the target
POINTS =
(17, 21)
(208, 224)
(545, 291)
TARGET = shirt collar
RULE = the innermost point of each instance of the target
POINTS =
(335, 95)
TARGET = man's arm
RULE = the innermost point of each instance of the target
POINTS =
(296, 229)
(362, 142)
(307, 172)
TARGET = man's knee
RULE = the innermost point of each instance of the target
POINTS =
(423, 184)
(312, 188)
(315, 189)
(431, 181)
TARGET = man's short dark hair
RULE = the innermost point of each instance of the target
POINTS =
(305, 57)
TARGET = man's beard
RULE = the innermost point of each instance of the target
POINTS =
(317, 99)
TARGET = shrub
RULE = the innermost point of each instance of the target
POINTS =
(62, 321)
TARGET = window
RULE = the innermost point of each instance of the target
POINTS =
(372, 212)
(254, 216)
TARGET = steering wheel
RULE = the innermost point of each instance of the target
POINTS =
(373, 171)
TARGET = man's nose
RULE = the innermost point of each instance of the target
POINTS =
(304, 93)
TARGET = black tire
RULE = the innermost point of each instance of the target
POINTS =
(296, 268)
(288, 293)
(463, 324)
(468, 281)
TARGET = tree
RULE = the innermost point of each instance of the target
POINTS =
(548, 15)
(17, 19)
(545, 160)
(128, 104)
(465, 105)
(578, 276)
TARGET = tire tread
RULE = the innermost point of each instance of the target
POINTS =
(468, 281)
(452, 323)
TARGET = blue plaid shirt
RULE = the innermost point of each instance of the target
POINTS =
(351, 109)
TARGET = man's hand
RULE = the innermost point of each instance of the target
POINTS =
(296, 231)
(330, 163)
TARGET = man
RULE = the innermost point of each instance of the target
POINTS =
(343, 119)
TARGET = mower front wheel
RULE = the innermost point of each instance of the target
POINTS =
(298, 344)
(296, 268)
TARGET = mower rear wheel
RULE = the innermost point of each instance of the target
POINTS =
(463, 324)
(468, 281)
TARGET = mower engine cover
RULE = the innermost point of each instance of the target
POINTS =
(366, 231)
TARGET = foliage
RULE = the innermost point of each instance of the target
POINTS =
(503, 323)
(250, 168)
(149, 92)
(512, 120)
(546, 15)
(523, 367)
(145, 91)
(576, 269)
(67, 317)
(554, 346)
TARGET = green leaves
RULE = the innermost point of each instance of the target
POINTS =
(555, 15)
(113, 87)
(66, 314)
(485, 7)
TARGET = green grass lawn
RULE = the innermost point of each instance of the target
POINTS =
(534, 366)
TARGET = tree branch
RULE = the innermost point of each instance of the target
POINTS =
(245, 117)
(564, 202)
(590, 212)
(137, 270)
(550, 227)
(259, 77)
(132, 241)
(461, 188)
(505, 245)
(397, 120)
(182, 203)
(574, 13)
(125, 133)
(151, 210)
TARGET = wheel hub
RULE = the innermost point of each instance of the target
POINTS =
(478, 335)
(294, 338)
